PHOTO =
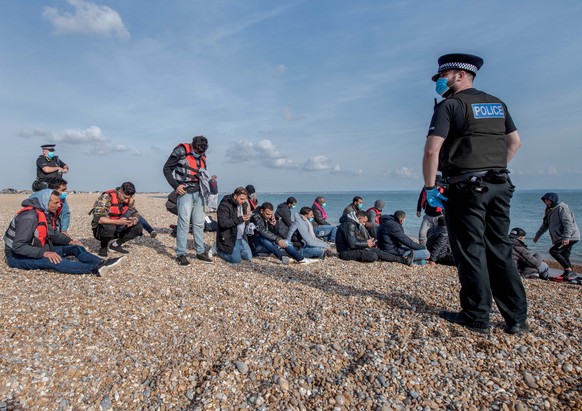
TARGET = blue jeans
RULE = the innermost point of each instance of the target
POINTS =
(241, 251)
(263, 245)
(145, 224)
(418, 254)
(326, 232)
(311, 252)
(87, 262)
(190, 210)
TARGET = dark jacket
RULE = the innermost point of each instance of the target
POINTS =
(391, 237)
(437, 244)
(428, 209)
(559, 220)
(227, 220)
(350, 208)
(263, 228)
(22, 229)
(318, 217)
(523, 257)
(284, 219)
(351, 235)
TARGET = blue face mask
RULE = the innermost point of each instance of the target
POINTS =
(51, 155)
(293, 206)
(324, 204)
(360, 206)
(63, 195)
(196, 155)
(311, 219)
(441, 86)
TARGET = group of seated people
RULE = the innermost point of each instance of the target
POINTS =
(37, 237)
(247, 229)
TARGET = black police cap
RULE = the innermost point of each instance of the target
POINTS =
(458, 61)
(48, 146)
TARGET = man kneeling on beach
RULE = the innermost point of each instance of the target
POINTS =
(353, 242)
(32, 241)
(115, 218)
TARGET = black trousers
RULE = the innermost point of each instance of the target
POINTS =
(107, 232)
(562, 253)
(369, 255)
(478, 222)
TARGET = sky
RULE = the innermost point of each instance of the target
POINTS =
(326, 95)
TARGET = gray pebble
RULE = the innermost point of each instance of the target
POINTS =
(242, 367)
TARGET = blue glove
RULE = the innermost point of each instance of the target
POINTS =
(434, 197)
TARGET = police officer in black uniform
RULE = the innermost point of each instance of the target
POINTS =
(48, 166)
(470, 140)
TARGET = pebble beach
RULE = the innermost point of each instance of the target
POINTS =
(334, 335)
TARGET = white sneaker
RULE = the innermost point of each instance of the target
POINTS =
(212, 251)
(308, 261)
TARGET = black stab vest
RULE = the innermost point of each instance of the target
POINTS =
(481, 143)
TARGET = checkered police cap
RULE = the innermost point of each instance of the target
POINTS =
(458, 61)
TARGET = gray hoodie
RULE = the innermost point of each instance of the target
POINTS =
(306, 230)
(561, 223)
(19, 237)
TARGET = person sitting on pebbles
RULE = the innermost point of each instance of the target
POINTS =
(528, 263)
(115, 218)
(32, 241)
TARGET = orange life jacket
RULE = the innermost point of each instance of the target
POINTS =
(116, 210)
(187, 170)
(41, 231)
(378, 214)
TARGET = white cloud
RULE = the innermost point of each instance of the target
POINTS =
(92, 138)
(263, 152)
(88, 18)
(240, 151)
(407, 172)
(336, 169)
(290, 116)
(316, 163)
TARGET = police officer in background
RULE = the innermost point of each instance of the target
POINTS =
(470, 140)
(183, 172)
(48, 166)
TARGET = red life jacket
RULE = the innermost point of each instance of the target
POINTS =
(116, 210)
(41, 231)
(187, 170)
(378, 214)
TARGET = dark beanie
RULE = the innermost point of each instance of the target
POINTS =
(250, 189)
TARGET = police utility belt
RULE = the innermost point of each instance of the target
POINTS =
(493, 176)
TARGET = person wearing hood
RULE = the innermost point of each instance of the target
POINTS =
(374, 214)
(564, 232)
(32, 242)
(63, 214)
(393, 240)
(285, 215)
(528, 263)
(353, 242)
